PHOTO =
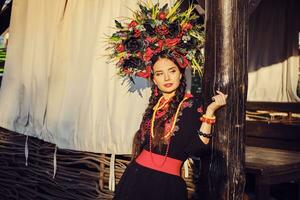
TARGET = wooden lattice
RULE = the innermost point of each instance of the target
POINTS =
(79, 175)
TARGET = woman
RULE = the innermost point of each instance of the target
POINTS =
(158, 44)
(167, 136)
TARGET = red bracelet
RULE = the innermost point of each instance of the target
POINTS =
(207, 120)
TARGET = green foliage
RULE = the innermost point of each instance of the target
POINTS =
(2, 59)
(118, 25)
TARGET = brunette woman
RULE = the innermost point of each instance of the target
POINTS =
(169, 133)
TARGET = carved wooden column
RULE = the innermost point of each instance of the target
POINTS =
(226, 70)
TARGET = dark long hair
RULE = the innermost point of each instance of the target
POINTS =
(159, 125)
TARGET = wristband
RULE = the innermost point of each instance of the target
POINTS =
(205, 134)
(208, 120)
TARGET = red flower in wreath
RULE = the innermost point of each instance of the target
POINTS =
(162, 30)
(136, 33)
(172, 42)
(181, 60)
(145, 73)
(139, 54)
(162, 15)
(184, 62)
(120, 48)
(187, 26)
(148, 54)
(133, 23)
(160, 44)
(150, 39)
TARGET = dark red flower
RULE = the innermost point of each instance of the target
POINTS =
(184, 62)
(139, 54)
(120, 48)
(133, 23)
(159, 44)
(187, 26)
(137, 33)
(162, 30)
(150, 39)
(145, 73)
(162, 15)
(172, 42)
(148, 54)
(180, 59)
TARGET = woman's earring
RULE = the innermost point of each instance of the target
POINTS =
(155, 91)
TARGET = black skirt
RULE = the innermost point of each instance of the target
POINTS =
(141, 183)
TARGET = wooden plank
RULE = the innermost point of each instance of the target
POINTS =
(273, 143)
(272, 130)
(271, 161)
(273, 106)
(274, 154)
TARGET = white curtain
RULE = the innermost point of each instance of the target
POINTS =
(57, 84)
(274, 60)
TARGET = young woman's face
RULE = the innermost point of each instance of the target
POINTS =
(166, 75)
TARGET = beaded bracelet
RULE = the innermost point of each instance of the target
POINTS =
(205, 134)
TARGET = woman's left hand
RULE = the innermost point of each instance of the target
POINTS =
(219, 100)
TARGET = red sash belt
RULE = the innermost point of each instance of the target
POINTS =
(160, 163)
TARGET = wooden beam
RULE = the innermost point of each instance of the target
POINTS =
(226, 70)
(5, 17)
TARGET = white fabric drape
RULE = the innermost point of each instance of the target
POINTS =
(57, 85)
(274, 60)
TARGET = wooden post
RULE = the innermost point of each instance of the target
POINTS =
(226, 70)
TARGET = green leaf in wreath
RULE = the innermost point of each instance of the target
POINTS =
(164, 7)
(143, 9)
(118, 24)
(115, 38)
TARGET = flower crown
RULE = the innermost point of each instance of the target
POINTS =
(153, 30)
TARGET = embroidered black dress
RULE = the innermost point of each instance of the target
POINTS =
(142, 183)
